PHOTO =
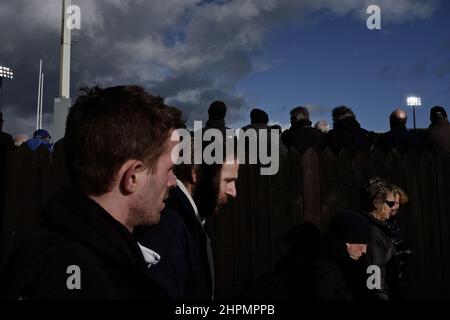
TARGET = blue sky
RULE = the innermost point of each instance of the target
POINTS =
(272, 54)
(339, 61)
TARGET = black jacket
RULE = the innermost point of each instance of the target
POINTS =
(76, 231)
(302, 136)
(380, 252)
(348, 134)
(400, 139)
(439, 136)
(180, 240)
(336, 275)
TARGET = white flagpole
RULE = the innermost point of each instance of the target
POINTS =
(39, 95)
(42, 98)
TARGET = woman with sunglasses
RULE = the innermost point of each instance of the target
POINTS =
(398, 271)
(377, 204)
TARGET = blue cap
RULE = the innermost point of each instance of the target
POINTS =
(41, 134)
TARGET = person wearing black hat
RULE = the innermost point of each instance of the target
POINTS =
(216, 115)
(335, 271)
(439, 130)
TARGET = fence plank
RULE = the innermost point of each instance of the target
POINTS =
(311, 188)
(417, 287)
(329, 187)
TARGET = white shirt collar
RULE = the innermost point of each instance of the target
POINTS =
(150, 256)
(191, 200)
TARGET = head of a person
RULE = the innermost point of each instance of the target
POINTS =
(378, 198)
(19, 139)
(216, 183)
(217, 110)
(341, 113)
(398, 119)
(117, 141)
(298, 114)
(322, 126)
(437, 113)
(42, 135)
(353, 231)
(401, 198)
(259, 116)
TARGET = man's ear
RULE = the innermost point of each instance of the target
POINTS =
(128, 175)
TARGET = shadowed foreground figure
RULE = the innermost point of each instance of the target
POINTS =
(118, 147)
(335, 273)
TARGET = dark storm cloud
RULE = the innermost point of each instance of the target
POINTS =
(191, 51)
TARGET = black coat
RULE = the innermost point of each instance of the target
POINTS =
(439, 136)
(400, 139)
(380, 252)
(76, 231)
(181, 241)
(348, 134)
(302, 136)
(336, 276)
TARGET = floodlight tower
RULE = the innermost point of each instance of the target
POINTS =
(414, 102)
(5, 73)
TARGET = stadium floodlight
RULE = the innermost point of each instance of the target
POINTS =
(414, 102)
(5, 73)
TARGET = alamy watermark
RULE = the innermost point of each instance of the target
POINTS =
(73, 17)
(374, 20)
(252, 146)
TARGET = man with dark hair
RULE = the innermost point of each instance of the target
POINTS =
(439, 130)
(347, 132)
(117, 145)
(301, 135)
(399, 137)
(186, 268)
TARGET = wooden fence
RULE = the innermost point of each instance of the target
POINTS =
(249, 232)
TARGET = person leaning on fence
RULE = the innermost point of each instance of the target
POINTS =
(301, 136)
(399, 137)
(347, 132)
(377, 205)
(439, 130)
(334, 271)
(117, 145)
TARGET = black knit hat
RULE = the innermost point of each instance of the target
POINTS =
(259, 116)
(217, 110)
(351, 227)
(437, 112)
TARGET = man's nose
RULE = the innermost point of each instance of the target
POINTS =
(231, 191)
(364, 249)
(172, 183)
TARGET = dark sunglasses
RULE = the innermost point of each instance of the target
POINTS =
(389, 203)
